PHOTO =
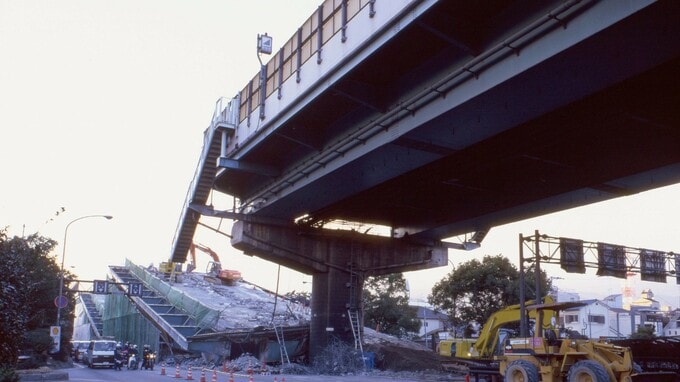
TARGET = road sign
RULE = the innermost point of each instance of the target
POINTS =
(100, 287)
(135, 289)
(60, 302)
(55, 333)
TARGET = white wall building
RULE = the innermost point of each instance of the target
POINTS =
(672, 329)
(595, 319)
(431, 321)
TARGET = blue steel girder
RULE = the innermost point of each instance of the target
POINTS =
(473, 115)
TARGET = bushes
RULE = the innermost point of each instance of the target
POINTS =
(8, 374)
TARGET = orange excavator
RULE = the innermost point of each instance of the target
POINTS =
(214, 272)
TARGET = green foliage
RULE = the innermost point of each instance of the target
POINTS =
(386, 305)
(28, 286)
(7, 374)
(475, 290)
(39, 340)
(644, 332)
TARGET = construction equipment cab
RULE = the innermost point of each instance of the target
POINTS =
(546, 357)
(493, 334)
(214, 271)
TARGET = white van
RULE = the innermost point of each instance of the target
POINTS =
(100, 353)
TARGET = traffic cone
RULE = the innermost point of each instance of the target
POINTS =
(177, 372)
(203, 374)
(214, 378)
(275, 380)
(163, 368)
(189, 376)
(250, 378)
(231, 377)
(283, 379)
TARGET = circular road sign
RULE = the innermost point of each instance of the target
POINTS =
(60, 302)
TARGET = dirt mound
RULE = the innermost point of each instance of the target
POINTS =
(392, 353)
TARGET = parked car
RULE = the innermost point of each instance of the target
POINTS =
(79, 352)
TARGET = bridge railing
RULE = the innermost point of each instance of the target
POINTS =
(225, 116)
(330, 18)
(226, 112)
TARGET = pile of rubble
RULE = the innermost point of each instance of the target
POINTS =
(243, 305)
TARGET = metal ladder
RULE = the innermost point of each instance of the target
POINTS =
(282, 345)
(353, 308)
(356, 329)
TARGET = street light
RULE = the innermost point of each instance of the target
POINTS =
(60, 303)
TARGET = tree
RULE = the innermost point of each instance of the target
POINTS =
(475, 290)
(644, 332)
(386, 305)
(28, 286)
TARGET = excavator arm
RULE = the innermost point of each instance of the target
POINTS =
(489, 335)
(205, 249)
(215, 270)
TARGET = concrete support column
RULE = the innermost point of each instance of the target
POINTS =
(338, 261)
(331, 296)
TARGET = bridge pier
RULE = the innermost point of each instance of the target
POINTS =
(338, 262)
(331, 301)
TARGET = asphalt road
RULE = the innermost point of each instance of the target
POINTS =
(83, 374)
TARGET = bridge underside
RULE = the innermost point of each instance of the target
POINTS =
(614, 143)
(594, 121)
(473, 114)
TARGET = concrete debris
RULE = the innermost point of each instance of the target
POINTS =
(243, 305)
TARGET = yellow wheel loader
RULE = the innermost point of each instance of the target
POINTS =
(544, 357)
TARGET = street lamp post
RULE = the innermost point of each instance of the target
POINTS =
(63, 255)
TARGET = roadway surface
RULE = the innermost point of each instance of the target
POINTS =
(84, 374)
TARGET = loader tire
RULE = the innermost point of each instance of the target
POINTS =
(521, 371)
(587, 371)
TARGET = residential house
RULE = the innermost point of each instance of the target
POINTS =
(597, 319)
(672, 329)
(431, 321)
(433, 327)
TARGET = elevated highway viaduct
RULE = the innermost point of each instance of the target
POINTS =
(436, 119)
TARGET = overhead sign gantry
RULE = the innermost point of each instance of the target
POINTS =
(576, 255)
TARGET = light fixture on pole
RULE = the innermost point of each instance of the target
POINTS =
(264, 46)
(61, 301)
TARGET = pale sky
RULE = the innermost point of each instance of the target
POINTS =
(103, 105)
